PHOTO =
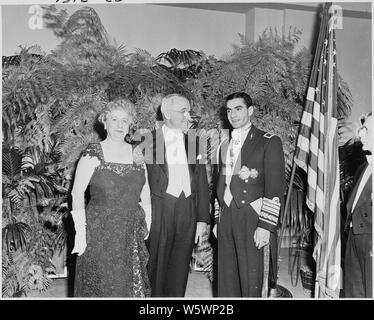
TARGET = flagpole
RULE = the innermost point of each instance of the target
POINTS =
(316, 286)
(286, 206)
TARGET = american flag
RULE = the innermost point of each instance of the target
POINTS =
(317, 154)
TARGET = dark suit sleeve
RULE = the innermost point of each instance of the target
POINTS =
(275, 184)
(202, 195)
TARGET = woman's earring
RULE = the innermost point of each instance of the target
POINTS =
(130, 135)
(128, 138)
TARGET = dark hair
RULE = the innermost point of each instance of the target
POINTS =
(364, 117)
(246, 98)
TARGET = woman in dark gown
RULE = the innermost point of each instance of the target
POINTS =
(111, 229)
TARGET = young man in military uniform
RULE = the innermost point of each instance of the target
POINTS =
(250, 189)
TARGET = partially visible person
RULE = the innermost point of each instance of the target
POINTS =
(346, 132)
(359, 249)
(111, 229)
(250, 189)
(180, 200)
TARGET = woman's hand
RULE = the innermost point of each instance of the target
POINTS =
(79, 218)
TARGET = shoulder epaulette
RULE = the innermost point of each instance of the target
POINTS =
(268, 135)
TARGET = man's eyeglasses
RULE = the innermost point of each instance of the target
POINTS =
(184, 112)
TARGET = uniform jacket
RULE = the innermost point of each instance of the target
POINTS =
(262, 153)
(361, 216)
(157, 168)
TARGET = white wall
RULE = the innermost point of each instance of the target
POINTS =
(354, 54)
(306, 22)
(259, 19)
(155, 28)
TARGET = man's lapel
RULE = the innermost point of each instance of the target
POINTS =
(354, 190)
(222, 156)
(223, 151)
(191, 162)
(365, 192)
(159, 152)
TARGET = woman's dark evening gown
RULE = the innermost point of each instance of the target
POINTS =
(114, 263)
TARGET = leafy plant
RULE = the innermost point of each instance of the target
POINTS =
(21, 274)
(183, 64)
(14, 235)
(29, 180)
(27, 267)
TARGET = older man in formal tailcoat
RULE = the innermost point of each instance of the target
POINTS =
(180, 200)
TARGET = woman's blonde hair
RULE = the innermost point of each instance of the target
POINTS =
(118, 104)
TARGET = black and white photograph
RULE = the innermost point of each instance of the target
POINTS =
(191, 150)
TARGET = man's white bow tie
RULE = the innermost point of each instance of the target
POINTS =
(172, 135)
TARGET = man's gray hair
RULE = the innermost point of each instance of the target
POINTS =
(168, 100)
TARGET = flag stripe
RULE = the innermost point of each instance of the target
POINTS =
(307, 119)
